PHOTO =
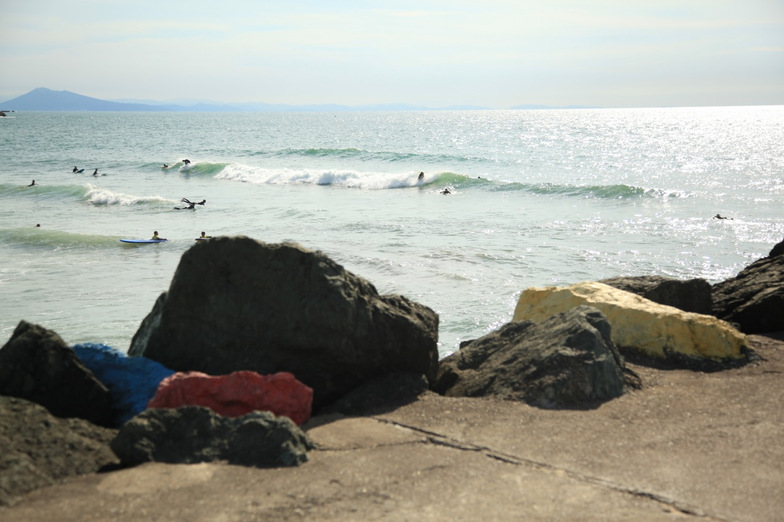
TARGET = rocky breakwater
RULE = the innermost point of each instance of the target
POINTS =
(239, 304)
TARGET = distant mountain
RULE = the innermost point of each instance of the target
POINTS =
(42, 99)
(547, 107)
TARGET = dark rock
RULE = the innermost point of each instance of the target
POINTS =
(382, 394)
(754, 299)
(693, 295)
(37, 365)
(192, 434)
(239, 304)
(38, 449)
(565, 361)
(132, 381)
(777, 250)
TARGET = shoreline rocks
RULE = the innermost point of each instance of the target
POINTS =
(37, 365)
(193, 434)
(565, 361)
(40, 449)
(639, 325)
(239, 304)
(754, 299)
(305, 292)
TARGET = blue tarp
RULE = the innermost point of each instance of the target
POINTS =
(132, 381)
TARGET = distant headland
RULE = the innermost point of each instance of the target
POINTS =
(43, 99)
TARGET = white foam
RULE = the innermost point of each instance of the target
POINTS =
(329, 177)
(99, 196)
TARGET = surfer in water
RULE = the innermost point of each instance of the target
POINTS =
(165, 165)
(446, 191)
(204, 236)
(719, 216)
(155, 236)
(421, 176)
(77, 171)
(191, 204)
(186, 161)
(32, 184)
(95, 173)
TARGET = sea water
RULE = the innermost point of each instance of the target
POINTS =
(548, 197)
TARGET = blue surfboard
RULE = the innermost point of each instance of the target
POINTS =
(142, 241)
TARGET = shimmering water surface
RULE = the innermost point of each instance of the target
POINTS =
(537, 198)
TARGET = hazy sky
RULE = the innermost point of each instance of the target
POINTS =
(624, 53)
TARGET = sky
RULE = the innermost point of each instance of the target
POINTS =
(490, 53)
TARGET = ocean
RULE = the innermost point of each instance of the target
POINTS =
(536, 198)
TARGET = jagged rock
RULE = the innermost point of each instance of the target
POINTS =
(639, 325)
(132, 381)
(192, 434)
(37, 365)
(39, 449)
(754, 299)
(239, 304)
(565, 361)
(693, 295)
(237, 394)
(777, 250)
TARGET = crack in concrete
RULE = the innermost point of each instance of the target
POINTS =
(442, 440)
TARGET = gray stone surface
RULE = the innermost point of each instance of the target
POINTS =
(238, 304)
(37, 365)
(192, 434)
(566, 361)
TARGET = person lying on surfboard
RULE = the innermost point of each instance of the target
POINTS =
(191, 204)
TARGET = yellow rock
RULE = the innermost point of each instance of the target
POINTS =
(638, 323)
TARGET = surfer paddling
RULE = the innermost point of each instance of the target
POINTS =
(719, 216)
(77, 171)
(32, 184)
(191, 204)
(156, 237)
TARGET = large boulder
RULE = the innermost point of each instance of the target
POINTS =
(193, 434)
(239, 304)
(641, 326)
(237, 394)
(754, 299)
(38, 449)
(692, 295)
(37, 365)
(132, 381)
(565, 361)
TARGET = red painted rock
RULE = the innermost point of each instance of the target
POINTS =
(237, 394)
